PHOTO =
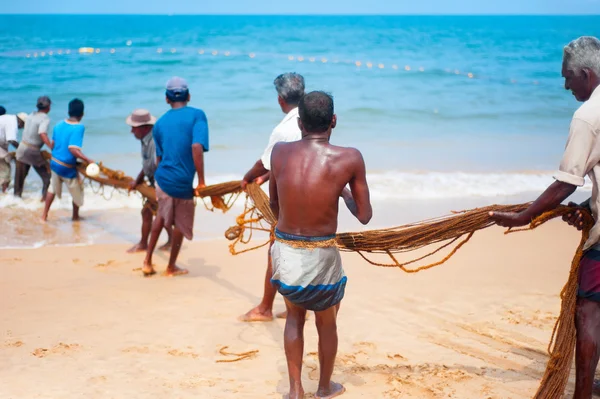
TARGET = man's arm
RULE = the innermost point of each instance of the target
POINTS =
(357, 199)
(43, 132)
(77, 153)
(198, 154)
(554, 195)
(138, 180)
(46, 140)
(199, 145)
(75, 144)
(14, 143)
(258, 170)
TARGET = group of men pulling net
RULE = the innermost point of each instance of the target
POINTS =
(450, 233)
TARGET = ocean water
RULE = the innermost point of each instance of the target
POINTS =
(441, 107)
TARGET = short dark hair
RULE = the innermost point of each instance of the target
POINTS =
(2, 110)
(76, 108)
(43, 102)
(316, 111)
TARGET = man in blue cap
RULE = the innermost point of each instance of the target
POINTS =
(181, 138)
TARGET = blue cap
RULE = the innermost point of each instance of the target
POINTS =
(177, 84)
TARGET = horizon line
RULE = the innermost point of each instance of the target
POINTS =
(314, 15)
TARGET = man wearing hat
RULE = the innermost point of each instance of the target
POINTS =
(9, 125)
(181, 138)
(35, 135)
(142, 122)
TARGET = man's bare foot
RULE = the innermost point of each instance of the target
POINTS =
(77, 218)
(256, 315)
(148, 270)
(139, 247)
(333, 391)
(165, 247)
(175, 271)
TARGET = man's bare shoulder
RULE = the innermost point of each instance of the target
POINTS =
(282, 146)
(347, 152)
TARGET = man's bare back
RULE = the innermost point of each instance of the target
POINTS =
(311, 175)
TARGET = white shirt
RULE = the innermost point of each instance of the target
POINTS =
(8, 132)
(286, 131)
(582, 157)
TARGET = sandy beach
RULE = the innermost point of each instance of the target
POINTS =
(82, 322)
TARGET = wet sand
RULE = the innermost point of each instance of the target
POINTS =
(82, 322)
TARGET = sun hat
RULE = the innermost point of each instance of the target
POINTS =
(140, 117)
(22, 116)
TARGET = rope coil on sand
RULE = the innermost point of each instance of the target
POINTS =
(456, 230)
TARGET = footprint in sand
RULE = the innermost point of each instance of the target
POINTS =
(136, 349)
(178, 353)
(108, 263)
(14, 344)
(60, 349)
(536, 319)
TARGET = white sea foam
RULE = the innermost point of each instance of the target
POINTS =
(387, 185)
(439, 185)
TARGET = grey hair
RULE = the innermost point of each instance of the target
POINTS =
(290, 87)
(583, 53)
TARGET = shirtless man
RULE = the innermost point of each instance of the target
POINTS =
(307, 179)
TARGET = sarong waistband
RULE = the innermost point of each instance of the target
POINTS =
(297, 241)
(66, 165)
(28, 144)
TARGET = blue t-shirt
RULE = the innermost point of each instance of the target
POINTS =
(174, 134)
(66, 135)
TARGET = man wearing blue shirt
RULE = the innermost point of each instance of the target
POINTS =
(67, 140)
(181, 138)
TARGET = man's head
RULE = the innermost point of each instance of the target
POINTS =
(21, 117)
(76, 109)
(290, 89)
(177, 91)
(43, 104)
(141, 122)
(316, 113)
(581, 66)
(2, 110)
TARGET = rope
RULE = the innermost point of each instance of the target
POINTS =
(238, 356)
(222, 196)
(457, 230)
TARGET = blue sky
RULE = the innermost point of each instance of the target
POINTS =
(304, 7)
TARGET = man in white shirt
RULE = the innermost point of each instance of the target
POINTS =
(290, 89)
(581, 70)
(9, 124)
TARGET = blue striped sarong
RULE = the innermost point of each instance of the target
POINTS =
(310, 278)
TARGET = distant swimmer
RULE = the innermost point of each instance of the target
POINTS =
(142, 122)
(307, 179)
(181, 139)
(67, 141)
(290, 89)
(35, 135)
(9, 126)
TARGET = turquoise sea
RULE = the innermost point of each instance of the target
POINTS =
(441, 107)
